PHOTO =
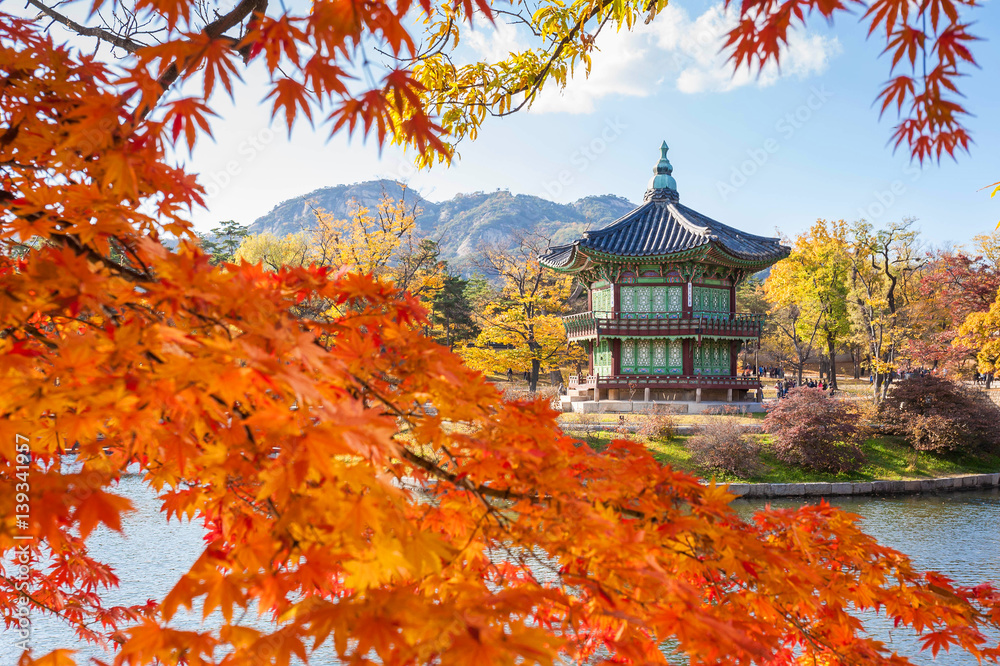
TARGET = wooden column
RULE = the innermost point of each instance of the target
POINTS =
(732, 299)
(688, 357)
(617, 305)
(591, 350)
(616, 357)
(734, 351)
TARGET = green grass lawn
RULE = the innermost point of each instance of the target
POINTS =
(887, 458)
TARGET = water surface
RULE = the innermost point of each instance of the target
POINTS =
(957, 534)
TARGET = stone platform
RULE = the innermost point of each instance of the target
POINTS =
(643, 407)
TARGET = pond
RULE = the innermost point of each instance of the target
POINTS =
(957, 534)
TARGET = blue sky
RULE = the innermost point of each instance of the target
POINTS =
(766, 153)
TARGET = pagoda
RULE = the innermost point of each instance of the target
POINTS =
(662, 320)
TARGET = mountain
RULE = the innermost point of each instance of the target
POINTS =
(460, 224)
(296, 214)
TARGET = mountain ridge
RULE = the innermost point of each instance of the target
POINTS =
(460, 224)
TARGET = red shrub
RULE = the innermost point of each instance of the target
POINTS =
(935, 414)
(811, 429)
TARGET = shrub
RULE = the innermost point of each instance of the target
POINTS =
(934, 414)
(721, 445)
(549, 393)
(657, 425)
(815, 431)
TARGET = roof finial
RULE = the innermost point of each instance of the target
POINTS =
(662, 183)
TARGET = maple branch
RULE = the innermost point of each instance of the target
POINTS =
(100, 33)
(216, 29)
(82, 248)
(434, 470)
(460, 480)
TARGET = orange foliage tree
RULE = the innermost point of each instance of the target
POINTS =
(304, 442)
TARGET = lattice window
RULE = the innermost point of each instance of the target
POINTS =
(675, 363)
(642, 304)
(628, 356)
(643, 365)
(603, 302)
(660, 301)
(710, 302)
(659, 356)
(723, 358)
(629, 302)
(602, 359)
(675, 296)
(702, 302)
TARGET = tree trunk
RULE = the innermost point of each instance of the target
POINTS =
(831, 346)
(989, 380)
(533, 380)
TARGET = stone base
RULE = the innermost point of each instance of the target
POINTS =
(642, 407)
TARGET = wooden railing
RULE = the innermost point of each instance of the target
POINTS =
(591, 324)
(679, 381)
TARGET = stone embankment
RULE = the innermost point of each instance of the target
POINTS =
(749, 428)
(946, 484)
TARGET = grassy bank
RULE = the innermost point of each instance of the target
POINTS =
(886, 458)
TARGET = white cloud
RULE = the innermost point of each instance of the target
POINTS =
(672, 48)
(694, 50)
(495, 45)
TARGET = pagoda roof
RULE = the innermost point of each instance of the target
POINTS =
(664, 229)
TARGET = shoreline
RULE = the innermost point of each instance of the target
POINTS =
(853, 488)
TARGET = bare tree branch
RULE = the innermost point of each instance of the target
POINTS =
(105, 35)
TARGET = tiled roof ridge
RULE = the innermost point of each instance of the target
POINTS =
(730, 229)
(695, 228)
(630, 217)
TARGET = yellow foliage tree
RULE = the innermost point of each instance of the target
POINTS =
(521, 327)
(885, 264)
(794, 314)
(382, 242)
(981, 330)
(273, 252)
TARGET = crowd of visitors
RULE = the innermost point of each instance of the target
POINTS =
(764, 371)
(785, 385)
